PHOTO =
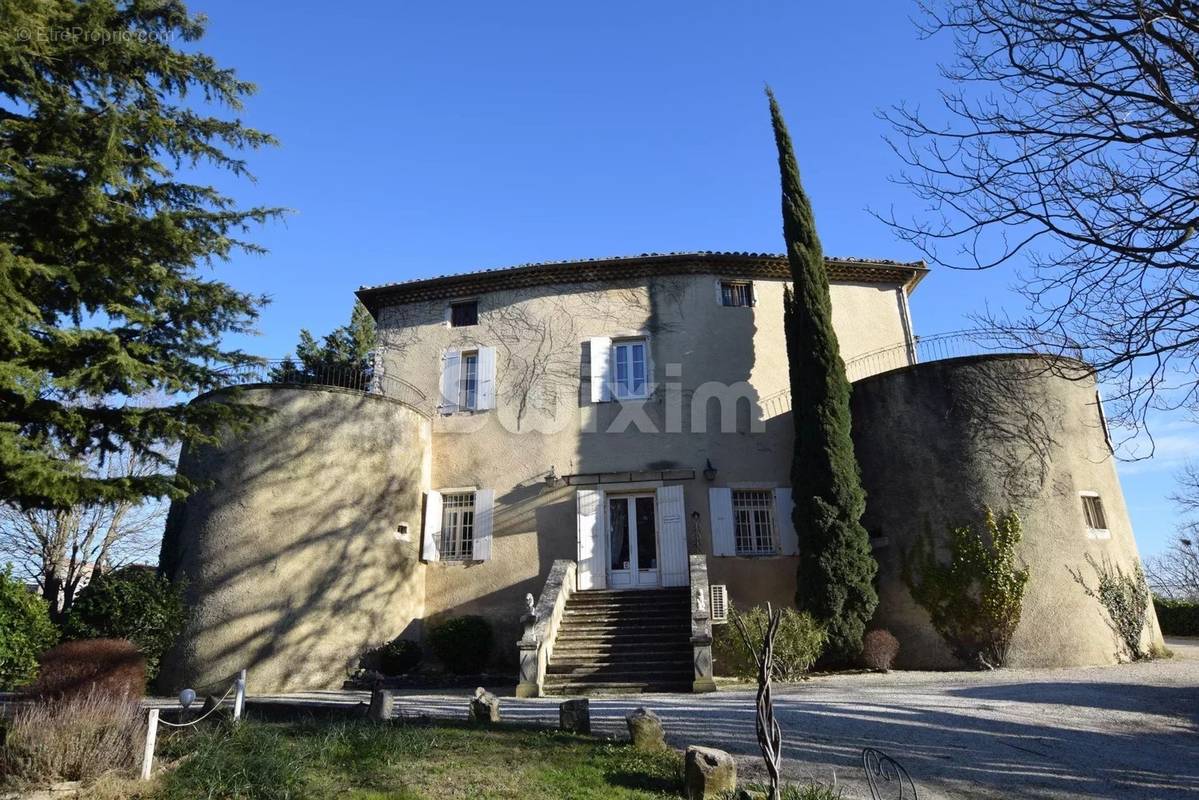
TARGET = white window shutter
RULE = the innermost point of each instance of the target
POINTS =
(484, 518)
(672, 537)
(784, 522)
(719, 292)
(432, 537)
(592, 572)
(753, 292)
(486, 378)
(720, 503)
(450, 374)
(601, 357)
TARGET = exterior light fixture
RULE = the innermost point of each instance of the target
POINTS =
(551, 479)
(710, 471)
(186, 698)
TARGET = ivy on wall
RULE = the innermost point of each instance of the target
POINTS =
(1125, 598)
(974, 599)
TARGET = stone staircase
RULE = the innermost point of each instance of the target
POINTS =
(623, 642)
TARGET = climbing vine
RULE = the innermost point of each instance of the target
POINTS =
(1125, 597)
(974, 599)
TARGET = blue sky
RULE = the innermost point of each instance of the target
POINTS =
(425, 138)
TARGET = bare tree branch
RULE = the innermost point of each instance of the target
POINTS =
(1071, 149)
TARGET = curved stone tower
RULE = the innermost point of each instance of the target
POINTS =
(937, 441)
(303, 550)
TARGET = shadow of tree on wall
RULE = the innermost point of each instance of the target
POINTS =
(291, 565)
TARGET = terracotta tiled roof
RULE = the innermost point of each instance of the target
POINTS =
(733, 265)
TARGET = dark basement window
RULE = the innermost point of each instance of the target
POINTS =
(464, 314)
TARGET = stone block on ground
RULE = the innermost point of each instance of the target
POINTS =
(574, 716)
(382, 706)
(645, 730)
(484, 706)
(708, 773)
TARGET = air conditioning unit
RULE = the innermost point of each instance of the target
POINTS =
(720, 603)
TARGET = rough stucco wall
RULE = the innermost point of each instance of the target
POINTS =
(291, 558)
(544, 416)
(938, 441)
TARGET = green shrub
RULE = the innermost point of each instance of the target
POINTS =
(1124, 597)
(133, 603)
(462, 644)
(25, 631)
(1177, 617)
(974, 600)
(799, 642)
(104, 667)
(397, 657)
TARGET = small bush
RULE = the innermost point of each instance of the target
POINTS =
(107, 667)
(974, 601)
(25, 631)
(398, 657)
(799, 642)
(78, 738)
(1177, 617)
(879, 649)
(462, 644)
(1124, 597)
(133, 603)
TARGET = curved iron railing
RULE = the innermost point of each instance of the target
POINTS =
(288, 371)
(939, 347)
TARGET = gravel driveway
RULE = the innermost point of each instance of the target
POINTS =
(1127, 731)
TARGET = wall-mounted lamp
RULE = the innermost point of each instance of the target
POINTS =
(710, 471)
(552, 479)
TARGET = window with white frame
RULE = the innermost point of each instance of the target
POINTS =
(457, 526)
(753, 521)
(468, 381)
(629, 368)
(1092, 509)
(736, 293)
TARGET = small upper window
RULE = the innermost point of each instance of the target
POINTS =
(464, 314)
(736, 293)
(1092, 509)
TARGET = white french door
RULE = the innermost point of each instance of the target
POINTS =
(632, 522)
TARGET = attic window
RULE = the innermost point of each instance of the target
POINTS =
(736, 293)
(464, 314)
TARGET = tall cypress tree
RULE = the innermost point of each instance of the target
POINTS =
(104, 233)
(836, 567)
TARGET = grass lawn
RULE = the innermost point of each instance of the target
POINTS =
(408, 762)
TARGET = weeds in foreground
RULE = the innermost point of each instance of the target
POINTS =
(791, 791)
(80, 738)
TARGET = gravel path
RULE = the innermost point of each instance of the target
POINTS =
(1125, 732)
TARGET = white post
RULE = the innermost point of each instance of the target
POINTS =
(151, 738)
(239, 698)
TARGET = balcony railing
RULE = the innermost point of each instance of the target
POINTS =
(288, 372)
(939, 347)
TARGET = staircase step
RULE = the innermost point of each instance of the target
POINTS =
(612, 687)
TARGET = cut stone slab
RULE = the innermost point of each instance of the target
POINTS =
(645, 730)
(382, 706)
(574, 716)
(708, 773)
(484, 707)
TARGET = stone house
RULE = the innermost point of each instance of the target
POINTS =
(595, 456)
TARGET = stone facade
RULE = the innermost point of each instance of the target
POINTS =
(295, 559)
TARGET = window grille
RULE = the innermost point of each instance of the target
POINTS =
(736, 293)
(457, 526)
(753, 517)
